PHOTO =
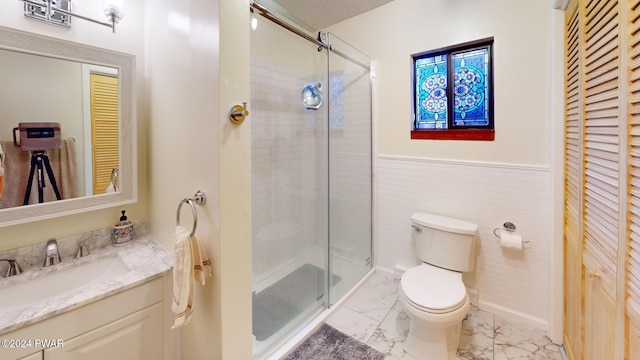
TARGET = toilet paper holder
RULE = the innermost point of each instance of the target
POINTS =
(507, 226)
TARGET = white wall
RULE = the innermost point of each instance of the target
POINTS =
(183, 70)
(521, 29)
(129, 38)
(197, 68)
(487, 182)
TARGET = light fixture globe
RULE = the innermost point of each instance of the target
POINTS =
(58, 12)
(113, 10)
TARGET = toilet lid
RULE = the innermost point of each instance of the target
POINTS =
(433, 288)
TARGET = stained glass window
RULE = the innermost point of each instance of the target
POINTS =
(453, 87)
(470, 88)
(431, 87)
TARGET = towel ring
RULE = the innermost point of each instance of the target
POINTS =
(199, 199)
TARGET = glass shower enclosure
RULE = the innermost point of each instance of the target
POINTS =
(311, 177)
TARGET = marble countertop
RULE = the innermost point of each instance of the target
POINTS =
(144, 257)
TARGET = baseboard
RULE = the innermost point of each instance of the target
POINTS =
(514, 315)
(568, 350)
(388, 273)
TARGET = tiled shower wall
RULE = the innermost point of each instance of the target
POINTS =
(288, 179)
(289, 166)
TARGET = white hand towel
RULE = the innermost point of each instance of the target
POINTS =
(183, 278)
(110, 189)
(191, 264)
(201, 263)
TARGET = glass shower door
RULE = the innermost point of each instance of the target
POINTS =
(289, 183)
(350, 167)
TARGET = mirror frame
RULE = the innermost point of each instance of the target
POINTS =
(15, 40)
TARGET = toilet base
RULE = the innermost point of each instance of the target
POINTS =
(433, 336)
(432, 343)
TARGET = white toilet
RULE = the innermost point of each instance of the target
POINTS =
(432, 293)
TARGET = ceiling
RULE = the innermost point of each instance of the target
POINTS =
(318, 14)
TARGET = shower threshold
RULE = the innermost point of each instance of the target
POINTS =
(279, 304)
(295, 337)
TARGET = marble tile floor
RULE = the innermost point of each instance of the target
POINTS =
(374, 316)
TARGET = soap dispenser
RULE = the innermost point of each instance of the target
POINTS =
(122, 231)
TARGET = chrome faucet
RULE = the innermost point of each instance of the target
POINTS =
(83, 250)
(52, 254)
(14, 268)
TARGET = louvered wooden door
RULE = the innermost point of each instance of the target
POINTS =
(633, 267)
(601, 174)
(595, 234)
(601, 141)
(599, 321)
(104, 124)
(573, 182)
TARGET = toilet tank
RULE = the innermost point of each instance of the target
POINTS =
(444, 242)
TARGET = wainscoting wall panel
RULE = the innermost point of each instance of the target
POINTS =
(514, 284)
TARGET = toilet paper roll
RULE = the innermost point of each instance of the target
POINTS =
(510, 240)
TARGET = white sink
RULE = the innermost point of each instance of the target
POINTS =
(61, 282)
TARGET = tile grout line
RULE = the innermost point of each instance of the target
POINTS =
(491, 322)
(493, 341)
(378, 323)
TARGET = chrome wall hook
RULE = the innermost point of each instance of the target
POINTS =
(238, 113)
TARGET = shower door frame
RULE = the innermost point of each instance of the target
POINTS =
(326, 38)
(329, 302)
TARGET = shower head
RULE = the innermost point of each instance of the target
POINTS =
(312, 95)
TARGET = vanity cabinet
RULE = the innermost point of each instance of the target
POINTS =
(36, 356)
(129, 325)
(137, 336)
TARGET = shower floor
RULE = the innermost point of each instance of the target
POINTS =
(278, 304)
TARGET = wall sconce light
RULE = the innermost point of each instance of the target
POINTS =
(58, 12)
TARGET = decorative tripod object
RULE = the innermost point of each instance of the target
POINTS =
(38, 159)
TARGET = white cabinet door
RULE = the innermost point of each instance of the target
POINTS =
(138, 336)
(36, 356)
(19, 353)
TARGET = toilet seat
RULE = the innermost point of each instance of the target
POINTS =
(432, 289)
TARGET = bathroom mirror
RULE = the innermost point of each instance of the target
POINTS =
(87, 95)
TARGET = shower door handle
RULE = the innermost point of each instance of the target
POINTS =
(238, 113)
